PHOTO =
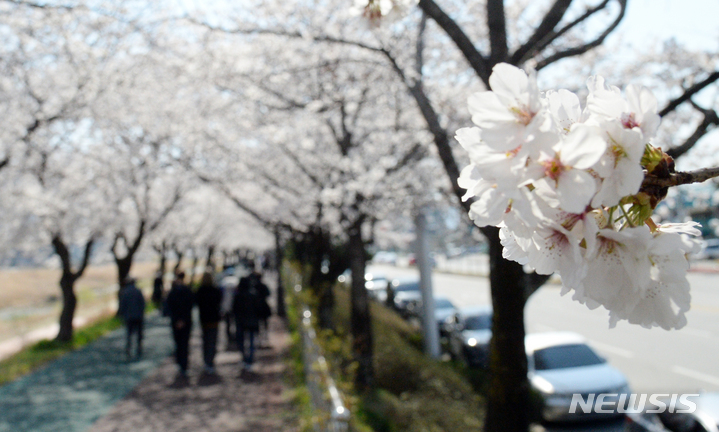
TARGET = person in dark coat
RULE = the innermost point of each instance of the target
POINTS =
(264, 313)
(132, 311)
(208, 299)
(246, 308)
(158, 290)
(180, 301)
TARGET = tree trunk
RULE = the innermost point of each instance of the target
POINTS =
(67, 284)
(162, 250)
(123, 270)
(320, 250)
(195, 262)
(361, 324)
(508, 397)
(210, 264)
(281, 307)
(178, 264)
(69, 303)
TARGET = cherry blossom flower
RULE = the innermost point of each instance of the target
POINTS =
(563, 184)
(511, 113)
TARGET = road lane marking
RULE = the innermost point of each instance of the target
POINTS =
(711, 379)
(611, 349)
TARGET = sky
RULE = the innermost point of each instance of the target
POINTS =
(694, 23)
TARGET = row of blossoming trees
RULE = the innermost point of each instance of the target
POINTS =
(150, 125)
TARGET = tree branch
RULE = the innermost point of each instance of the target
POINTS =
(544, 30)
(571, 52)
(64, 254)
(682, 178)
(710, 118)
(688, 93)
(85, 258)
(476, 60)
(497, 24)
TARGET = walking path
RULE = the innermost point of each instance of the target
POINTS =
(97, 389)
(72, 392)
(230, 401)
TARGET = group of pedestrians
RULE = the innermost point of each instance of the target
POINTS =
(242, 304)
(249, 307)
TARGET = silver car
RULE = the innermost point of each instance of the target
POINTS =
(562, 367)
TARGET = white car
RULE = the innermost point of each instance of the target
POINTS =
(562, 365)
(376, 286)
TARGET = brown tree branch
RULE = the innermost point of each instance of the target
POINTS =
(476, 60)
(544, 30)
(710, 119)
(688, 93)
(85, 258)
(581, 49)
(552, 36)
(682, 178)
(496, 22)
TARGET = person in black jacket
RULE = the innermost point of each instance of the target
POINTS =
(247, 310)
(180, 301)
(208, 299)
(132, 311)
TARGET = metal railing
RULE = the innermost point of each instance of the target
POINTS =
(325, 396)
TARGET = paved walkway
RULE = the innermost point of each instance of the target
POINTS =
(97, 389)
(256, 401)
(72, 392)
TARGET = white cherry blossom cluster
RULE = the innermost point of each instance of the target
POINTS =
(563, 184)
(376, 11)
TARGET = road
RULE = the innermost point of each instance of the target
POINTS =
(654, 361)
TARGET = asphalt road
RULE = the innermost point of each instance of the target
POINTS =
(654, 361)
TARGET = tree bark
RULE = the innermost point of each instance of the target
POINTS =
(210, 265)
(281, 307)
(69, 303)
(162, 251)
(508, 397)
(179, 255)
(361, 324)
(67, 284)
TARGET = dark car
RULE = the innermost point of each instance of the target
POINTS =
(407, 296)
(469, 335)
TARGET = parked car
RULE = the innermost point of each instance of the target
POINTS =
(469, 334)
(709, 250)
(407, 296)
(385, 257)
(643, 422)
(376, 286)
(561, 364)
(444, 311)
(704, 419)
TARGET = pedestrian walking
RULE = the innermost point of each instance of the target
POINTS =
(264, 313)
(208, 299)
(246, 307)
(158, 290)
(180, 301)
(132, 311)
(228, 285)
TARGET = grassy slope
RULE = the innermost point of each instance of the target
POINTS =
(413, 392)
